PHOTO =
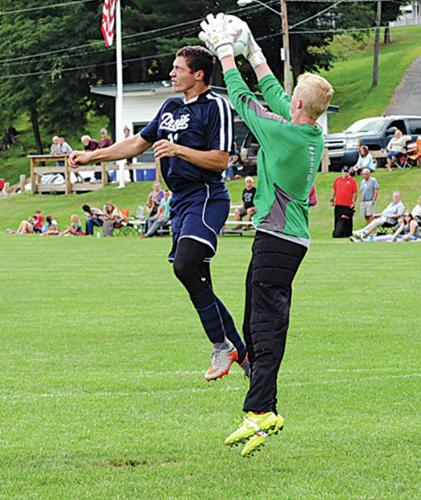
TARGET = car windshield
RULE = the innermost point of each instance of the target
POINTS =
(366, 125)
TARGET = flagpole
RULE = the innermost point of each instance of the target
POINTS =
(119, 96)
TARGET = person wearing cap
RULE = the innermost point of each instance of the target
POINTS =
(344, 198)
(369, 189)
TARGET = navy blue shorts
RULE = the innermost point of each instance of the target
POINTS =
(200, 215)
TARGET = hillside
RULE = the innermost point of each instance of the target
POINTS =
(14, 209)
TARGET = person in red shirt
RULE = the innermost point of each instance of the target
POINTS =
(344, 197)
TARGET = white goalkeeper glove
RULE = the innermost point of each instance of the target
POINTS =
(217, 36)
(252, 51)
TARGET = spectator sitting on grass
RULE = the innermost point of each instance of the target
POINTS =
(408, 229)
(161, 218)
(32, 225)
(50, 227)
(93, 218)
(416, 212)
(110, 216)
(75, 228)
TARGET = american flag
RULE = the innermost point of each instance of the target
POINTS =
(107, 23)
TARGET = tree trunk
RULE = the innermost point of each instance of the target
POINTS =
(387, 38)
(35, 129)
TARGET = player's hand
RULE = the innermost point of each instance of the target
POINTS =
(79, 158)
(218, 36)
(164, 148)
(252, 51)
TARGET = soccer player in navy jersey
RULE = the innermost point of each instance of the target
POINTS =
(192, 137)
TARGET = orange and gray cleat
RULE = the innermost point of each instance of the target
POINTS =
(221, 361)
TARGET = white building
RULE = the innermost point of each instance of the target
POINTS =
(141, 102)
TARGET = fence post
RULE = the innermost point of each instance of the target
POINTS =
(67, 175)
(22, 182)
(33, 177)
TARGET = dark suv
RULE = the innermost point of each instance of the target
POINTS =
(372, 132)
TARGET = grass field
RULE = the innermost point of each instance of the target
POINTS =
(102, 390)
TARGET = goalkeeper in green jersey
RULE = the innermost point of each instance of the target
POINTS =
(291, 148)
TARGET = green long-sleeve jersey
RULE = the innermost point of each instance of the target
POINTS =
(288, 158)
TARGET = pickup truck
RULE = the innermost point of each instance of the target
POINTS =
(373, 132)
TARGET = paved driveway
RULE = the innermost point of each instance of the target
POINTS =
(407, 97)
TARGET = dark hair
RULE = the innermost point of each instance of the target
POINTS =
(198, 58)
(86, 208)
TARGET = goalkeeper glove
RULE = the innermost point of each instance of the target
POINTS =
(216, 35)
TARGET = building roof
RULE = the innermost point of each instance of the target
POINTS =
(163, 87)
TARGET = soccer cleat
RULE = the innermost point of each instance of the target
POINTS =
(245, 365)
(221, 361)
(268, 423)
(355, 239)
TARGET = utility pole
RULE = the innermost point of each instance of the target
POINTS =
(285, 43)
(377, 44)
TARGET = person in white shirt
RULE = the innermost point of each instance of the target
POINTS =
(395, 147)
(389, 216)
(365, 160)
(416, 212)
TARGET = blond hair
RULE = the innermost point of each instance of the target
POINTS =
(315, 92)
(75, 218)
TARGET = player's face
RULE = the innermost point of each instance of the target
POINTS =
(182, 78)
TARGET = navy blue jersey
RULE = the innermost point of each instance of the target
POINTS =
(203, 123)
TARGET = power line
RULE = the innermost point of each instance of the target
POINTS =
(168, 54)
(126, 37)
(43, 7)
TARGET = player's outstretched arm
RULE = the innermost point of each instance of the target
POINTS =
(214, 159)
(128, 148)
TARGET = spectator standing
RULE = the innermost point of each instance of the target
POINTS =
(162, 216)
(365, 160)
(88, 143)
(416, 212)
(369, 189)
(247, 201)
(105, 139)
(65, 148)
(93, 218)
(389, 217)
(344, 197)
(129, 161)
(395, 147)
(55, 146)
(104, 142)
(234, 164)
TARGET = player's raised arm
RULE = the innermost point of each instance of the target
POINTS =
(120, 150)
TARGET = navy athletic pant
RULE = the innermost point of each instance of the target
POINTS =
(273, 266)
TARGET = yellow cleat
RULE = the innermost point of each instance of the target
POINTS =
(255, 423)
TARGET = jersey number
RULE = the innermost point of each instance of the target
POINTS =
(172, 137)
